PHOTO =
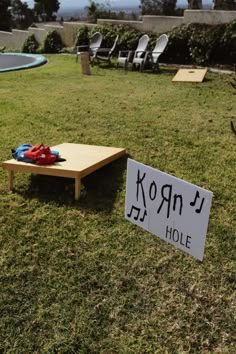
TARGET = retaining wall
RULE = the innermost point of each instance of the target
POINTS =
(6, 39)
(155, 24)
(39, 33)
(18, 36)
(138, 25)
(212, 17)
(160, 24)
(70, 30)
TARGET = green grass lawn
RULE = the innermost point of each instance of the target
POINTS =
(77, 277)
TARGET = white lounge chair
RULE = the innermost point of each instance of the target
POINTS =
(94, 45)
(152, 57)
(124, 56)
(139, 54)
(105, 54)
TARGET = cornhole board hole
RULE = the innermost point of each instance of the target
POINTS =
(190, 75)
(81, 160)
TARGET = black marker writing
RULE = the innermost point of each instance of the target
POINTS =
(197, 196)
(165, 198)
(136, 211)
(139, 183)
(144, 215)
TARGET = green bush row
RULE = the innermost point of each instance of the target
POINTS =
(199, 44)
(202, 44)
(51, 44)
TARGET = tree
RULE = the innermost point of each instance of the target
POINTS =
(195, 4)
(158, 7)
(22, 15)
(46, 8)
(169, 7)
(224, 5)
(92, 11)
(5, 15)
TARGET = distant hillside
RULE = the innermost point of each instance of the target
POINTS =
(80, 12)
(75, 8)
(68, 12)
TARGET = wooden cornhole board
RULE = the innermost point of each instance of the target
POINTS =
(190, 75)
(81, 160)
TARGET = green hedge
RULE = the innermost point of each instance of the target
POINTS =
(30, 45)
(82, 37)
(198, 44)
(202, 44)
(52, 43)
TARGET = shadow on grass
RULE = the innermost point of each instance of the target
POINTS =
(115, 67)
(98, 190)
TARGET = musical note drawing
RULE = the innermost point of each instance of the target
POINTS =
(197, 196)
(144, 215)
(131, 212)
(137, 211)
(195, 199)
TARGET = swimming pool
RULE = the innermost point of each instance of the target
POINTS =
(18, 61)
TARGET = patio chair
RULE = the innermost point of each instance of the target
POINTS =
(94, 45)
(152, 57)
(105, 54)
(139, 54)
(124, 56)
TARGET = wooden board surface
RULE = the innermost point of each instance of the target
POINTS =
(190, 75)
(81, 160)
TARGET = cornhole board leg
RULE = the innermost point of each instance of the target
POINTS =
(10, 180)
(77, 188)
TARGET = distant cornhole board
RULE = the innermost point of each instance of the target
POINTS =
(190, 75)
(81, 160)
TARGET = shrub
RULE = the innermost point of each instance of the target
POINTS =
(204, 43)
(30, 45)
(178, 49)
(52, 43)
(199, 44)
(82, 37)
(109, 33)
(128, 37)
(227, 50)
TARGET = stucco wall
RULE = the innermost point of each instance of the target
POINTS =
(212, 17)
(138, 25)
(39, 33)
(15, 39)
(160, 24)
(70, 30)
(155, 24)
(18, 37)
(6, 39)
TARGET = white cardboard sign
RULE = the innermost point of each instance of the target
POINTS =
(168, 207)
